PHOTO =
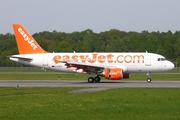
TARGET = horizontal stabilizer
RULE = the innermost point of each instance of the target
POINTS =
(20, 57)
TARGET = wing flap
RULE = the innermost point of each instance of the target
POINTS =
(89, 67)
(83, 64)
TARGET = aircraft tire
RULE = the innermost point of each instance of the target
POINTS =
(148, 80)
(97, 79)
(90, 79)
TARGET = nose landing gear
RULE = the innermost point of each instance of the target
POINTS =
(148, 77)
(148, 80)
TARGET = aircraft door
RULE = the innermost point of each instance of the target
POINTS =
(45, 60)
(148, 60)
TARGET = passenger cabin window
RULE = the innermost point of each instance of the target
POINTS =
(162, 59)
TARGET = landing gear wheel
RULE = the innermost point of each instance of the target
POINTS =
(148, 77)
(97, 79)
(90, 79)
(148, 80)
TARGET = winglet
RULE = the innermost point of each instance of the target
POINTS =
(25, 42)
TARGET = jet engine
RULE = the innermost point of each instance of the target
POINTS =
(113, 73)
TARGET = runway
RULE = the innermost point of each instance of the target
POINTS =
(89, 87)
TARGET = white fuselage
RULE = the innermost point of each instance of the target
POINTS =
(129, 62)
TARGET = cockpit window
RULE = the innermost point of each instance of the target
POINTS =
(162, 59)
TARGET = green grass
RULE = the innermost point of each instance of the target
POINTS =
(114, 104)
(21, 69)
(42, 76)
(30, 73)
(159, 76)
(62, 76)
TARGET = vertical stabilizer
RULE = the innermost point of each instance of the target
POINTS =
(25, 42)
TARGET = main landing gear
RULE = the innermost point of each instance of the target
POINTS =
(148, 77)
(94, 79)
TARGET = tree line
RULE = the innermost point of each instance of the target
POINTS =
(164, 43)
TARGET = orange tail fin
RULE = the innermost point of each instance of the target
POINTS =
(25, 42)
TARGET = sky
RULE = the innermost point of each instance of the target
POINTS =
(98, 15)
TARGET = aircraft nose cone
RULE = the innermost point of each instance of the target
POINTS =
(170, 66)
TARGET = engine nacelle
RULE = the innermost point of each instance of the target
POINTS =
(113, 73)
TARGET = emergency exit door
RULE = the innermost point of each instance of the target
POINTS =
(45, 60)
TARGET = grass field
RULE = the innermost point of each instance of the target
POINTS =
(62, 76)
(114, 104)
(33, 73)
(39, 74)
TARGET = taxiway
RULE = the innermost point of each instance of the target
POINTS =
(89, 87)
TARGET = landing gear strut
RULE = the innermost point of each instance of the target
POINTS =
(148, 77)
(92, 79)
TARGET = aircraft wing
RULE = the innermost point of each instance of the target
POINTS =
(74, 64)
(88, 67)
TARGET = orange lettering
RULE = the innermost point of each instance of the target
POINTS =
(57, 59)
(109, 58)
(75, 58)
(120, 59)
(83, 58)
(93, 59)
(66, 58)
(138, 58)
(101, 58)
(128, 60)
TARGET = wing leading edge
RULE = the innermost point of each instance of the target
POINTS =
(87, 67)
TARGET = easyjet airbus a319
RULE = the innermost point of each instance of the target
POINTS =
(112, 66)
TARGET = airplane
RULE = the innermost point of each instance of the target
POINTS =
(112, 66)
